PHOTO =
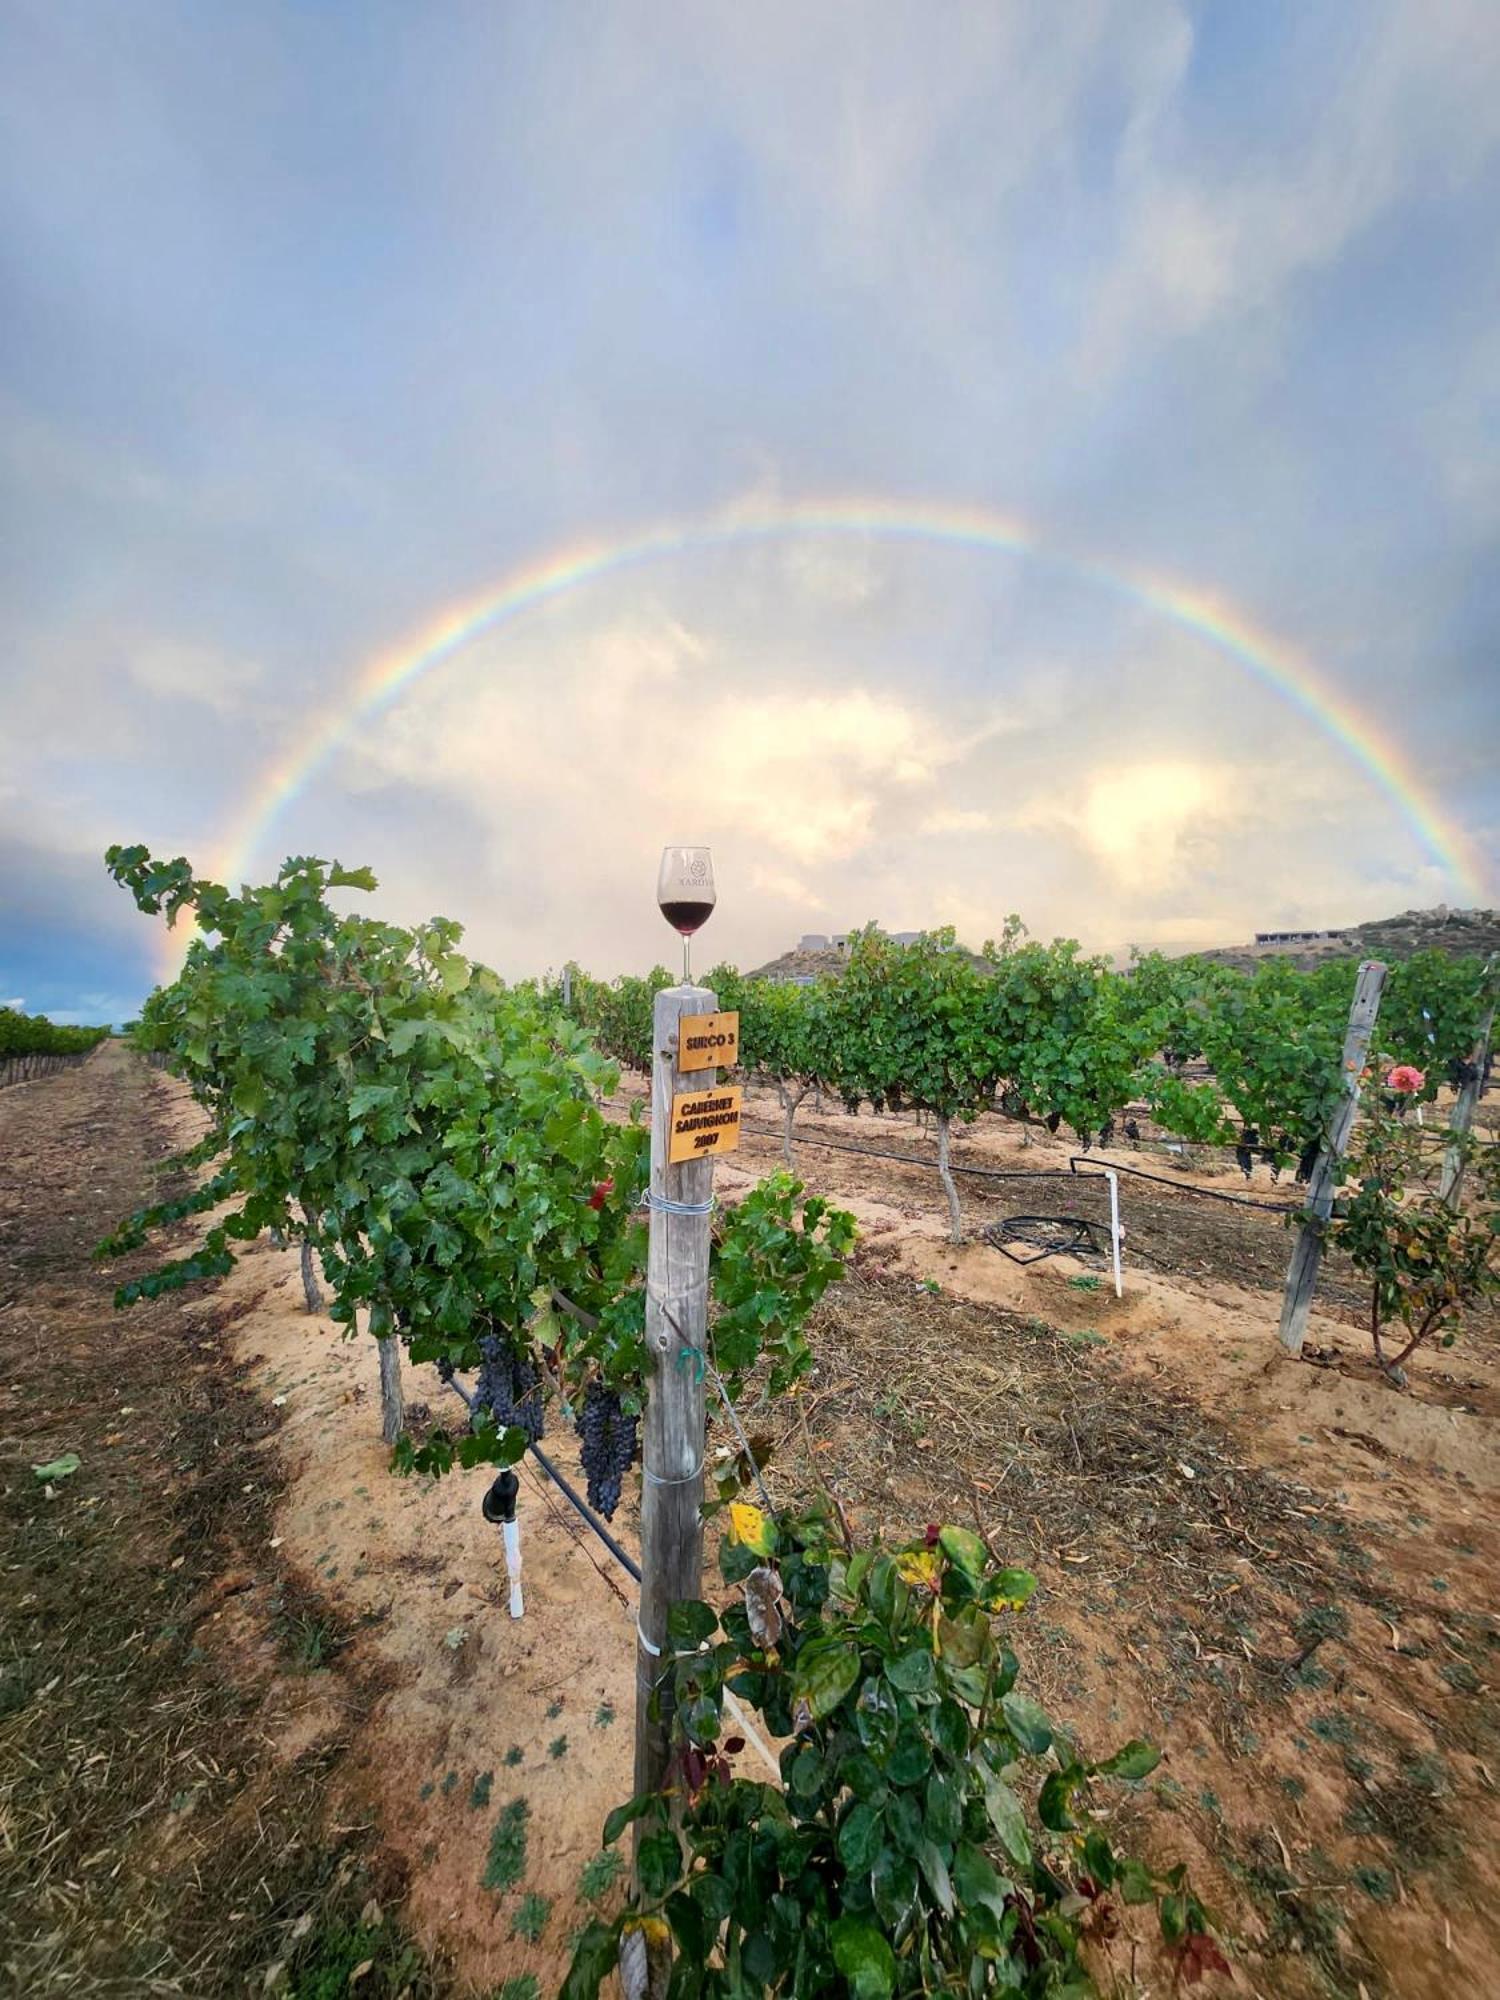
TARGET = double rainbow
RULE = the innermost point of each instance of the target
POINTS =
(1267, 659)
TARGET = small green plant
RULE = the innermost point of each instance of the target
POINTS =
(1086, 1281)
(898, 1857)
(311, 1641)
(506, 1861)
(558, 1747)
(515, 1755)
(599, 1876)
(530, 1919)
(604, 1715)
(1377, 1882)
(520, 1986)
(554, 1709)
(479, 1791)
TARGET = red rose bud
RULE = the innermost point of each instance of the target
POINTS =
(601, 1195)
(934, 1534)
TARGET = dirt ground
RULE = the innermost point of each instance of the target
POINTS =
(1283, 1572)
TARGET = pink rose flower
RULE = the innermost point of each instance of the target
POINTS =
(1405, 1079)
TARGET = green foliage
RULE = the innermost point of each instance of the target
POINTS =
(520, 1986)
(931, 1833)
(530, 1919)
(505, 1863)
(1428, 1260)
(34, 1035)
(599, 1875)
(440, 1140)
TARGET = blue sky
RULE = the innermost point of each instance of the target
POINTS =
(321, 318)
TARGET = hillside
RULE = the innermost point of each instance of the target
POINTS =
(1462, 933)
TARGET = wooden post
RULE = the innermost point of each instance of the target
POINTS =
(1461, 1123)
(1302, 1272)
(675, 1425)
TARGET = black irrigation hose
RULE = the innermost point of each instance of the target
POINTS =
(626, 1562)
(1208, 1194)
(916, 1160)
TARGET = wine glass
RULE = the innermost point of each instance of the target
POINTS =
(685, 894)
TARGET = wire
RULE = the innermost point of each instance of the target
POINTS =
(1208, 1194)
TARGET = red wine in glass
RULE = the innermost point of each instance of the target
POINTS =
(685, 894)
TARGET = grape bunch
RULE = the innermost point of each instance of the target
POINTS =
(609, 1441)
(1244, 1152)
(510, 1386)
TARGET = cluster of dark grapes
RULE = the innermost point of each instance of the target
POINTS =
(609, 1443)
(510, 1385)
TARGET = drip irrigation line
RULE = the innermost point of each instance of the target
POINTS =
(1208, 1194)
(916, 1160)
(626, 1561)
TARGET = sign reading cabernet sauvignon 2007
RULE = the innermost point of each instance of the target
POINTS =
(705, 1121)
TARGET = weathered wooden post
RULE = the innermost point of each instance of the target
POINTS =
(1450, 1184)
(1302, 1272)
(676, 1353)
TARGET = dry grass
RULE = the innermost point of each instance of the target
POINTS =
(151, 1839)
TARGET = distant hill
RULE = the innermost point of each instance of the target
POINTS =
(1461, 933)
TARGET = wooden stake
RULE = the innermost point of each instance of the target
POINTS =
(1302, 1272)
(676, 1353)
(1461, 1123)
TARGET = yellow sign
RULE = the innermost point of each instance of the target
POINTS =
(704, 1122)
(707, 1041)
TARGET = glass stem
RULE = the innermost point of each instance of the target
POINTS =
(687, 977)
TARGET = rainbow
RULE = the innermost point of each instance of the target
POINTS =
(1267, 659)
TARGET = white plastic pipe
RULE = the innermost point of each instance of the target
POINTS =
(512, 1531)
(1114, 1228)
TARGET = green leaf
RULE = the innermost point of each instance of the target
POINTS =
(935, 1869)
(950, 1729)
(895, 1887)
(913, 1672)
(689, 1623)
(1009, 1589)
(1006, 1817)
(622, 1816)
(1133, 1760)
(945, 1808)
(58, 1468)
(859, 1840)
(911, 1757)
(1054, 1799)
(594, 1958)
(659, 1863)
(1099, 1859)
(1028, 1724)
(977, 1880)
(964, 1548)
(1137, 1885)
(864, 1958)
(823, 1675)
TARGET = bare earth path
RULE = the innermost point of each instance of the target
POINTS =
(159, 1831)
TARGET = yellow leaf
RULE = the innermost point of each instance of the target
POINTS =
(749, 1525)
(655, 1929)
(919, 1566)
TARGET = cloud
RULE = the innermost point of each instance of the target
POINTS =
(303, 344)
